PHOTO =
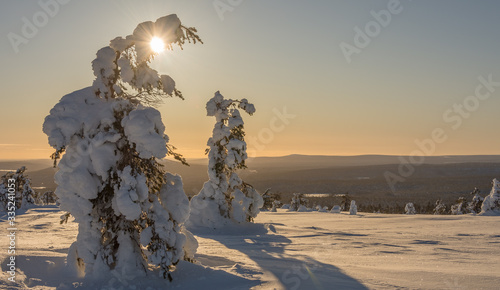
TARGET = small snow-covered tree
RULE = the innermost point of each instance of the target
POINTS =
(269, 198)
(5, 197)
(491, 203)
(22, 196)
(225, 197)
(474, 206)
(346, 201)
(276, 204)
(130, 212)
(47, 197)
(460, 207)
(410, 208)
(440, 207)
(353, 209)
(298, 200)
(27, 195)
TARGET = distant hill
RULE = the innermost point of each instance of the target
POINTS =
(314, 161)
(362, 176)
(31, 165)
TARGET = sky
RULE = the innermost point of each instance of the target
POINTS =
(326, 77)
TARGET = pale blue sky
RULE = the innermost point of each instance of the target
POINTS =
(277, 54)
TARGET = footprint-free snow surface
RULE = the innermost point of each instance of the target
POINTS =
(288, 250)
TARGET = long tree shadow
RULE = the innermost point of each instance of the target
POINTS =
(50, 271)
(298, 271)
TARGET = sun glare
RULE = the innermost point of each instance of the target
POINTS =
(157, 45)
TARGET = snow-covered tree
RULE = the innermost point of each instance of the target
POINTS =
(353, 209)
(298, 200)
(491, 203)
(460, 207)
(273, 208)
(22, 195)
(477, 201)
(440, 207)
(130, 212)
(225, 197)
(346, 201)
(410, 208)
(269, 198)
(276, 204)
(47, 197)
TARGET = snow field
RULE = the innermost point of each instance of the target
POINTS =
(291, 250)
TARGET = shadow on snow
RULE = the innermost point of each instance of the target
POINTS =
(298, 271)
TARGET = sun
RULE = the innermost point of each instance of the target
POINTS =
(157, 45)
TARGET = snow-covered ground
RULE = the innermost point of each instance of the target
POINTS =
(290, 250)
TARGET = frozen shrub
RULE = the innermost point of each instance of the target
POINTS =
(276, 203)
(477, 201)
(460, 207)
(440, 207)
(297, 200)
(410, 208)
(269, 198)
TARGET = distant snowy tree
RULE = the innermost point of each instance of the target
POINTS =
(477, 201)
(440, 207)
(297, 200)
(491, 203)
(276, 204)
(130, 212)
(410, 208)
(225, 197)
(5, 197)
(27, 195)
(460, 207)
(346, 201)
(353, 209)
(22, 195)
(47, 197)
(269, 198)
